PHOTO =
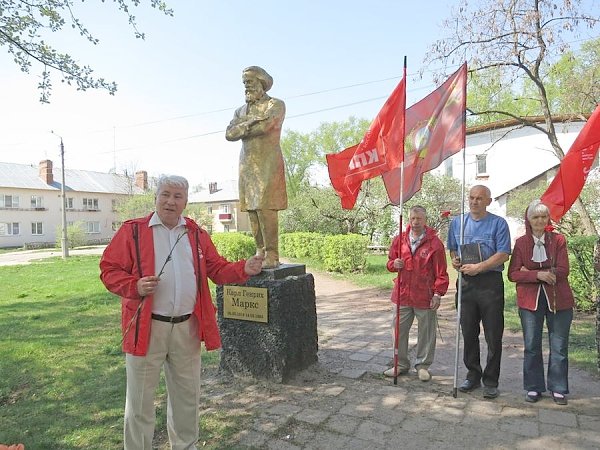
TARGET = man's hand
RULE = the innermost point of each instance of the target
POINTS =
(435, 302)
(254, 265)
(147, 285)
(398, 263)
(471, 269)
(456, 262)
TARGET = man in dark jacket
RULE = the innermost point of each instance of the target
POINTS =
(420, 260)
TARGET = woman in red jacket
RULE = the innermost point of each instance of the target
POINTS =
(540, 267)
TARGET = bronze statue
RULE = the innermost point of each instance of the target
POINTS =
(262, 178)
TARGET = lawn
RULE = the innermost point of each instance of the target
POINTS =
(62, 376)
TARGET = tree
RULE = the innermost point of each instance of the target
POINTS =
(318, 209)
(199, 214)
(439, 194)
(304, 152)
(518, 40)
(23, 24)
(573, 80)
(300, 155)
(135, 206)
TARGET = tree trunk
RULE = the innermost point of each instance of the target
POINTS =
(597, 282)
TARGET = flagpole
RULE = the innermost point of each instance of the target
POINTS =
(397, 324)
(462, 237)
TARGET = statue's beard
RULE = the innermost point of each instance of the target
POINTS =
(252, 96)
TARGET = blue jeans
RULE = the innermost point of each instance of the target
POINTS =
(559, 325)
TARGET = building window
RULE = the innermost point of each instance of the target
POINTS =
(69, 202)
(209, 229)
(226, 228)
(9, 201)
(92, 227)
(481, 164)
(36, 201)
(37, 228)
(91, 204)
(9, 229)
(209, 209)
(114, 204)
(225, 208)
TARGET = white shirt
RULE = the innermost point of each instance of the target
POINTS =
(176, 291)
(539, 251)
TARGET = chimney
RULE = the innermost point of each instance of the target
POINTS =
(46, 171)
(141, 180)
(212, 187)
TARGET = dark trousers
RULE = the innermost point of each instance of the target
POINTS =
(482, 301)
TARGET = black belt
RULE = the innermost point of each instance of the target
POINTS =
(176, 319)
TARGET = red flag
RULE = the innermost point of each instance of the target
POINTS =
(574, 169)
(380, 150)
(337, 164)
(435, 130)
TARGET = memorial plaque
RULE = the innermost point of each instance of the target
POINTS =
(246, 303)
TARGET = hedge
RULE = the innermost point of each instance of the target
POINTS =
(345, 253)
(234, 246)
(581, 274)
(302, 245)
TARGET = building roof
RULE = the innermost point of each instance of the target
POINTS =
(23, 176)
(226, 191)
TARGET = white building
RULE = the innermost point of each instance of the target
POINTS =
(504, 156)
(31, 202)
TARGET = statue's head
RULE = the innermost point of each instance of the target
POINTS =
(256, 81)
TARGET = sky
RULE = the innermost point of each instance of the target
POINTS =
(178, 88)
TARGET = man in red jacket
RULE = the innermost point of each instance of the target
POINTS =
(159, 266)
(420, 260)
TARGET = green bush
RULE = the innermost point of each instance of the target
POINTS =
(581, 275)
(234, 246)
(76, 236)
(345, 253)
(302, 245)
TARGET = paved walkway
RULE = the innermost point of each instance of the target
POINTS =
(344, 402)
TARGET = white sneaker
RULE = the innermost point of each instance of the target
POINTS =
(424, 374)
(390, 372)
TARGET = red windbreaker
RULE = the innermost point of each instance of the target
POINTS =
(424, 273)
(130, 256)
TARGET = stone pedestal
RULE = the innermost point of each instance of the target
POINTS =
(288, 342)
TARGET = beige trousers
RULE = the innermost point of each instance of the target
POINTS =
(177, 349)
(426, 337)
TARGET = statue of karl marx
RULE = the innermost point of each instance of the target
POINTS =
(262, 178)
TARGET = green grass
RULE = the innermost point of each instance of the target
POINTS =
(62, 373)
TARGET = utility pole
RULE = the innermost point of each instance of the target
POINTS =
(64, 243)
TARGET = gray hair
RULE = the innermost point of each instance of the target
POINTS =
(418, 209)
(485, 189)
(537, 208)
(172, 180)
